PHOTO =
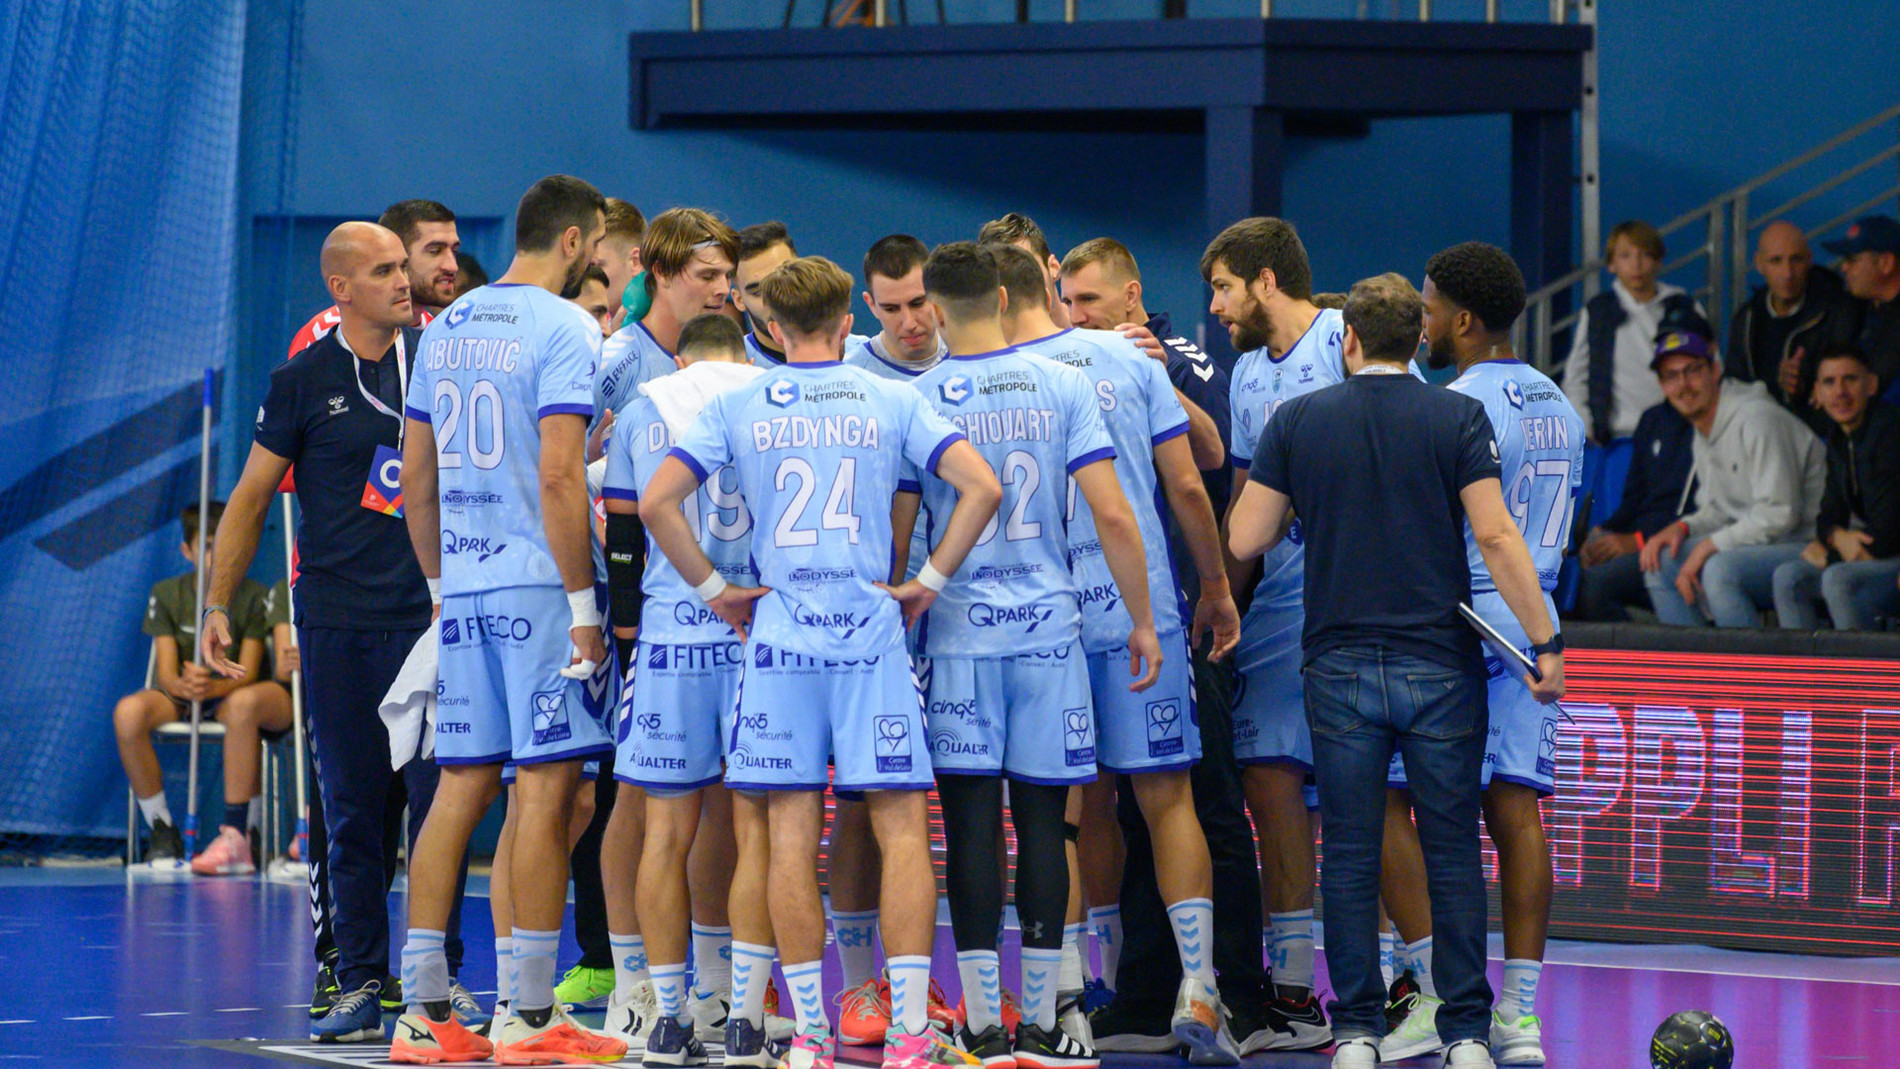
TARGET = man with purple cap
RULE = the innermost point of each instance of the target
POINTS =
(1870, 265)
(1759, 473)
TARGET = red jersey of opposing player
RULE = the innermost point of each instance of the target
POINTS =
(320, 324)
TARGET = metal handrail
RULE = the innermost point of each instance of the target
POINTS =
(1729, 222)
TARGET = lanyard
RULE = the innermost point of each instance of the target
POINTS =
(402, 382)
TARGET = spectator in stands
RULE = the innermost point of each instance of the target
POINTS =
(1801, 310)
(620, 250)
(1656, 493)
(245, 705)
(1760, 472)
(1854, 560)
(1607, 376)
(1871, 266)
(469, 274)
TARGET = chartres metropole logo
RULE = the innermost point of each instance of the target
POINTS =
(782, 393)
(954, 390)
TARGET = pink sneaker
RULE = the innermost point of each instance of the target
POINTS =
(809, 1050)
(228, 855)
(925, 1050)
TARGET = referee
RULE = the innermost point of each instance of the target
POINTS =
(361, 602)
(1384, 471)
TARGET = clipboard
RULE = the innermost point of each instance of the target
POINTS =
(1505, 651)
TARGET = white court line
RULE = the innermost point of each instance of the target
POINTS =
(239, 1009)
(21, 1021)
(164, 1013)
(89, 1017)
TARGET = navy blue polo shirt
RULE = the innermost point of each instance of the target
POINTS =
(1203, 382)
(1374, 466)
(356, 567)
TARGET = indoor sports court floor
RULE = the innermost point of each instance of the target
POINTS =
(96, 970)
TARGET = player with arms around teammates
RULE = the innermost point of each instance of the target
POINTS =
(819, 448)
(496, 501)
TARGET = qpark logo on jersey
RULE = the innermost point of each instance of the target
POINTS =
(844, 623)
(454, 545)
(892, 734)
(983, 614)
(1164, 728)
(782, 394)
(1078, 737)
(458, 315)
(1103, 596)
(550, 717)
(954, 390)
(1513, 393)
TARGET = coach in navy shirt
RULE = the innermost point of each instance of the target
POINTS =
(1383, 472)
(335, 411)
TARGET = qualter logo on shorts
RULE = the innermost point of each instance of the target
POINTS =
(893, 743)
(550, 717)
(1164, 729)
(1078, 737)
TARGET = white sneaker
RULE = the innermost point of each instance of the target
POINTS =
(1519, 1042)
(1359, 1052)
(1073, 1021)
(1200, 1023)
(1469, 1054)
(709, 1015)
(1416, 1035)
(633, 1019)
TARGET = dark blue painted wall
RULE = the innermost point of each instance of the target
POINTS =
(469, 102)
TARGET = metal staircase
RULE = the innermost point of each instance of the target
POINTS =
(1839, 169)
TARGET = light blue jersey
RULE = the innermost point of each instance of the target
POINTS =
(632, 356)
(819, 449)
(1141, 411)
(490, 368)
(1540, 453)
(671, 613)
(1261, 384)
(871, 355)
(1036, 422)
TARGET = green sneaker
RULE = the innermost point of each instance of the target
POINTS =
(324, 995)
(585, 988)
(392, 995)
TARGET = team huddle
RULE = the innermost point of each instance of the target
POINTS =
(976, 553)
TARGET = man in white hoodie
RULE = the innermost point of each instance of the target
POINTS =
(1760, 471)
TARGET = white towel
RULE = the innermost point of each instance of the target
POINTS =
(681, 395)
(408, 710)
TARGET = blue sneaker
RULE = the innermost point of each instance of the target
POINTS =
(1095, 995)
(673, 1043)
(356, 1017)
(468, 1012)
(747, 1045)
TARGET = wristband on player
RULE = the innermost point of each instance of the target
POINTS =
(209, 609)
(580, 605)
(932, 579)
(435, 590)
(713, 585)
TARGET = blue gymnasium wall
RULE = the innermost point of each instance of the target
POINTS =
(347, 105)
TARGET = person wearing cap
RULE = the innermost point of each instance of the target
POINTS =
(1801, 309)
(1870, 265)
(1759, 473)
(1853, 562)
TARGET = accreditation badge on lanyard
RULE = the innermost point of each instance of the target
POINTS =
(382, 491)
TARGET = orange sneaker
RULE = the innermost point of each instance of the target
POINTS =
(422, 1041)
(941, 1013)
(864, 1014)
(228, 855)
(1012, 1014)
(559, 1042)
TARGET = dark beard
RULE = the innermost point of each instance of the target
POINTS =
(1248, 336)
(1439, 357)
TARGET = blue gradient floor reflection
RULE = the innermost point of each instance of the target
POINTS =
(96, 970)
